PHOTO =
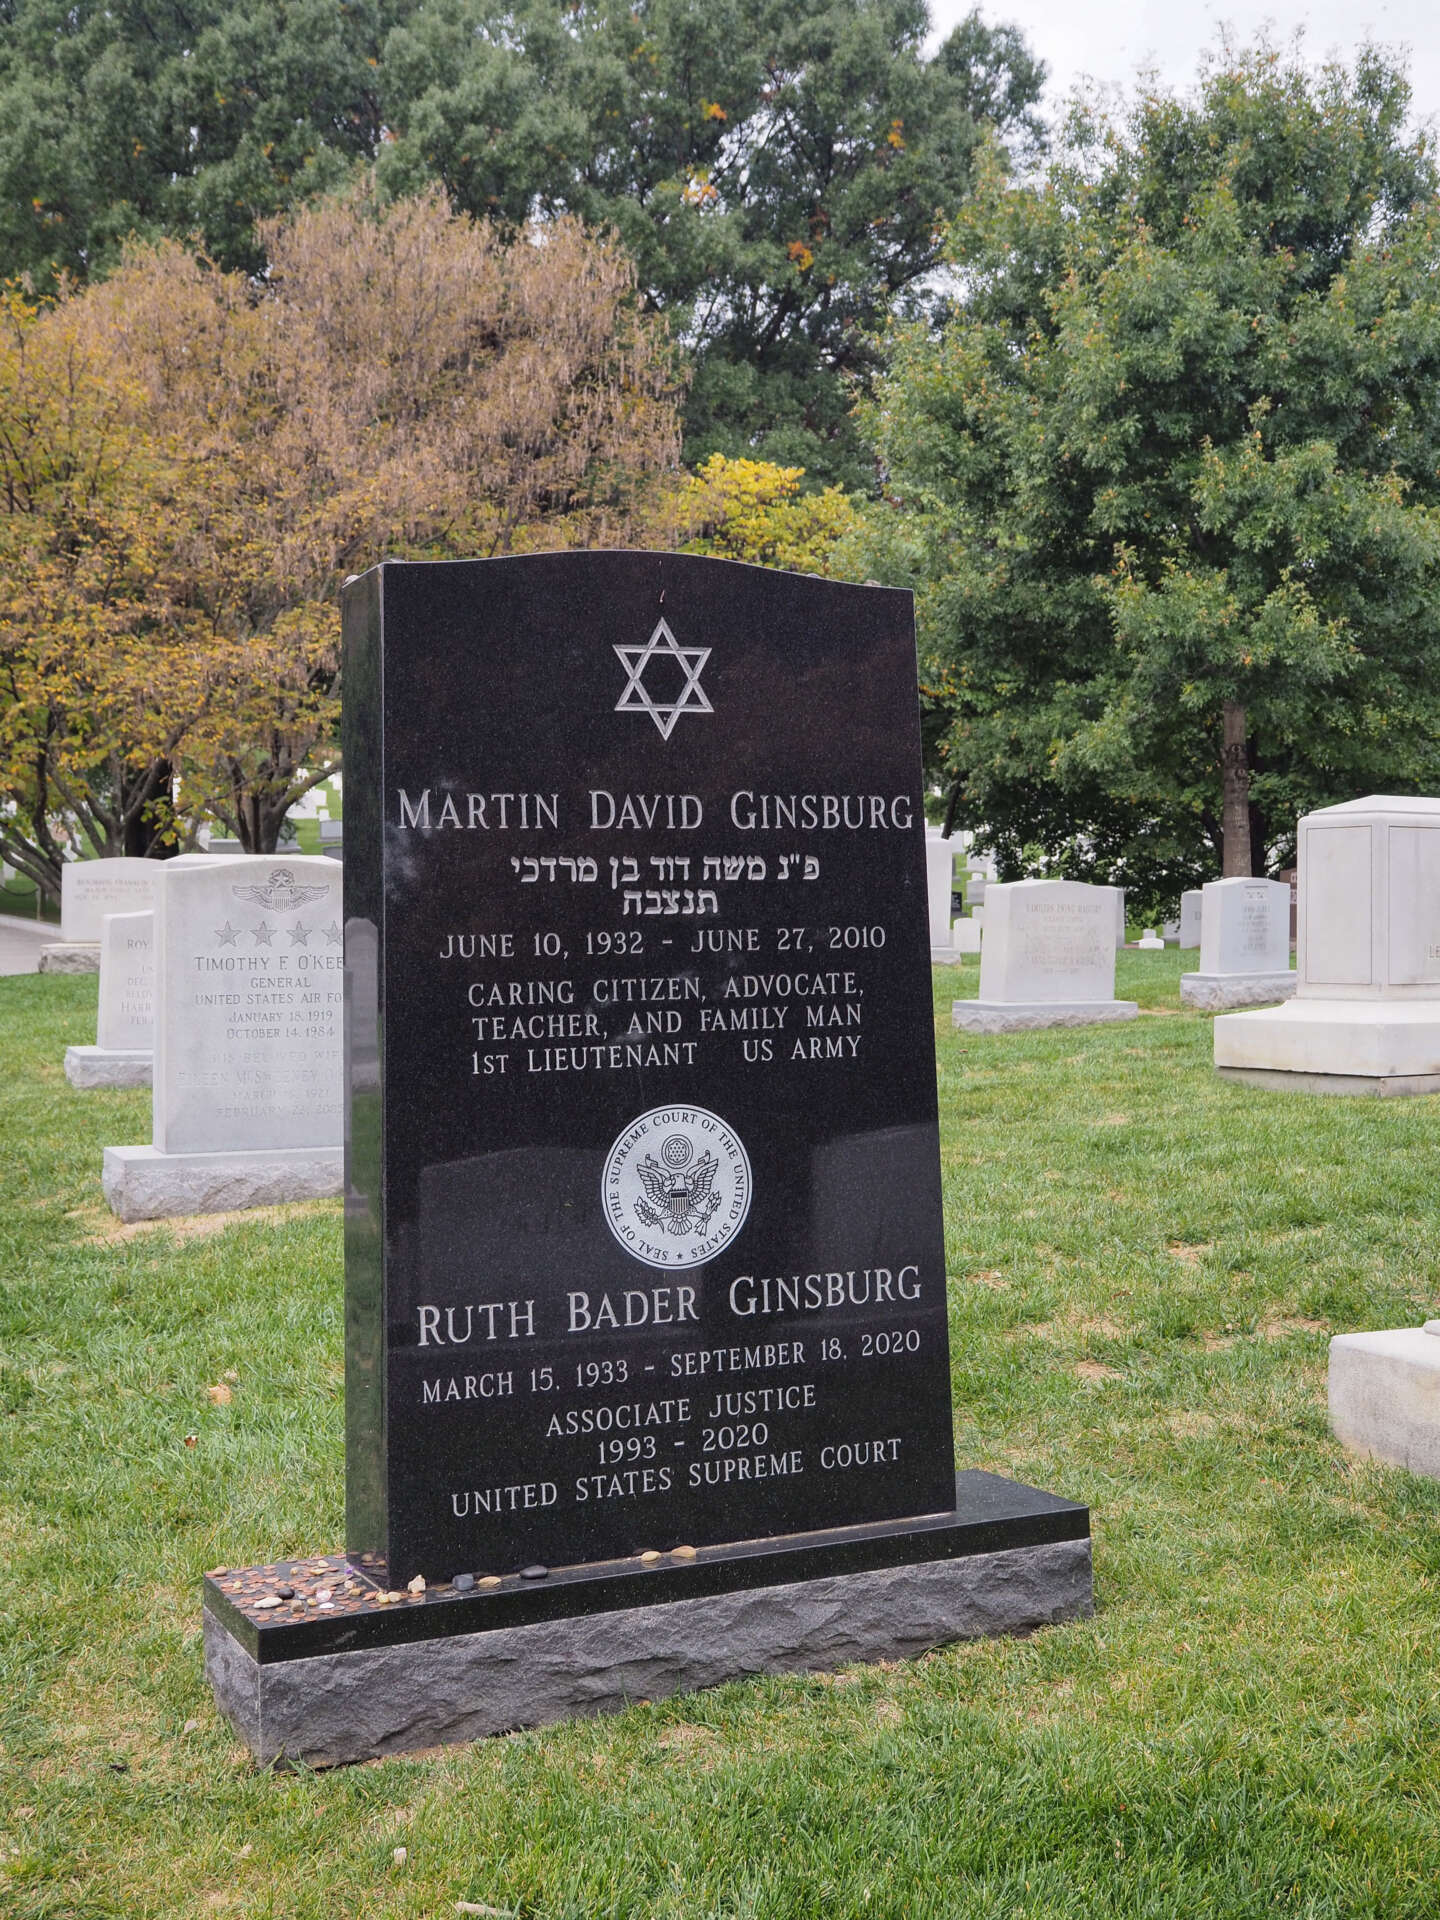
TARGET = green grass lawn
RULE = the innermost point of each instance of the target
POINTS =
(1146, 1265)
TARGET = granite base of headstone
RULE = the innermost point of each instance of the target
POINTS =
(123, 1054)
(647, 1366)
(365, 1672)
(246, 1088)
(1365, 1017)
(69, 956)
(1384, 1392)
(1244, 947)
(1151, 941)
(1048, 959)
(90, 1067)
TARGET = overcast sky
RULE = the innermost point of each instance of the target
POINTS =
(1109, 39)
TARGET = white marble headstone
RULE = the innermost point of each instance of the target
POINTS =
(1246, 927)
(127, 982)
(1370, 900)
(89, 889)
(1048, 940)
(250, 995)
(940, 886)
(1190, 912)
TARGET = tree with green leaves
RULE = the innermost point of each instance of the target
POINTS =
(1170, 477)
(779, 169)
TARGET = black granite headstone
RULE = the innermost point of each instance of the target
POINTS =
(643, 1223)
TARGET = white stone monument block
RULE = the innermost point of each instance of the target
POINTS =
(1244, 946)
(1385, 1395)
(248, 1039)
(125, 1027)
(1048, 959)
(1366, 1012)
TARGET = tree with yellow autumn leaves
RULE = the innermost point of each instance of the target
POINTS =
(192, 462)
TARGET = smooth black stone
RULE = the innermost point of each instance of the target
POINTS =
(535, 1573)
(990, 1515)
(285, 1593)
(487, 1425)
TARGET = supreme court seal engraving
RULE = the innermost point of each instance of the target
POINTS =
(676, 1186)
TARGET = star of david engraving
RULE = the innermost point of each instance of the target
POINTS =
(637, 697)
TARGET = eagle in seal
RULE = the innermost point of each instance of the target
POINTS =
(680, 1200)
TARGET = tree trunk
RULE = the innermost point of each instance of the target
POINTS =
(1235, 787)
(142, 827)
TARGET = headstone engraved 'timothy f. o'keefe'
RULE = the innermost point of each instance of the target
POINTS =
(636, 846)
(249, 974)
(249, 1005)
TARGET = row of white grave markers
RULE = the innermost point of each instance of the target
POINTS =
(248, 967)
(950, 939)
(89, 890)
(125, 1018)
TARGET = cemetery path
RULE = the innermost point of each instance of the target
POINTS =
(21, 941)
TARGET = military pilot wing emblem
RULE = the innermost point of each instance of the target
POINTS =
(280, 893)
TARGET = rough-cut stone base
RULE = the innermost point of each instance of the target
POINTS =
(68, 957)
(141, 1183)
(1385, 1396)
(87, 1067)
(1015, 1016)
(1377, 1047)
(1213, 992)
(342, 1707)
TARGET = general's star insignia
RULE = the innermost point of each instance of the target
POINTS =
(227, 935)
(263, 935)
(637, 697)
(300, 934)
